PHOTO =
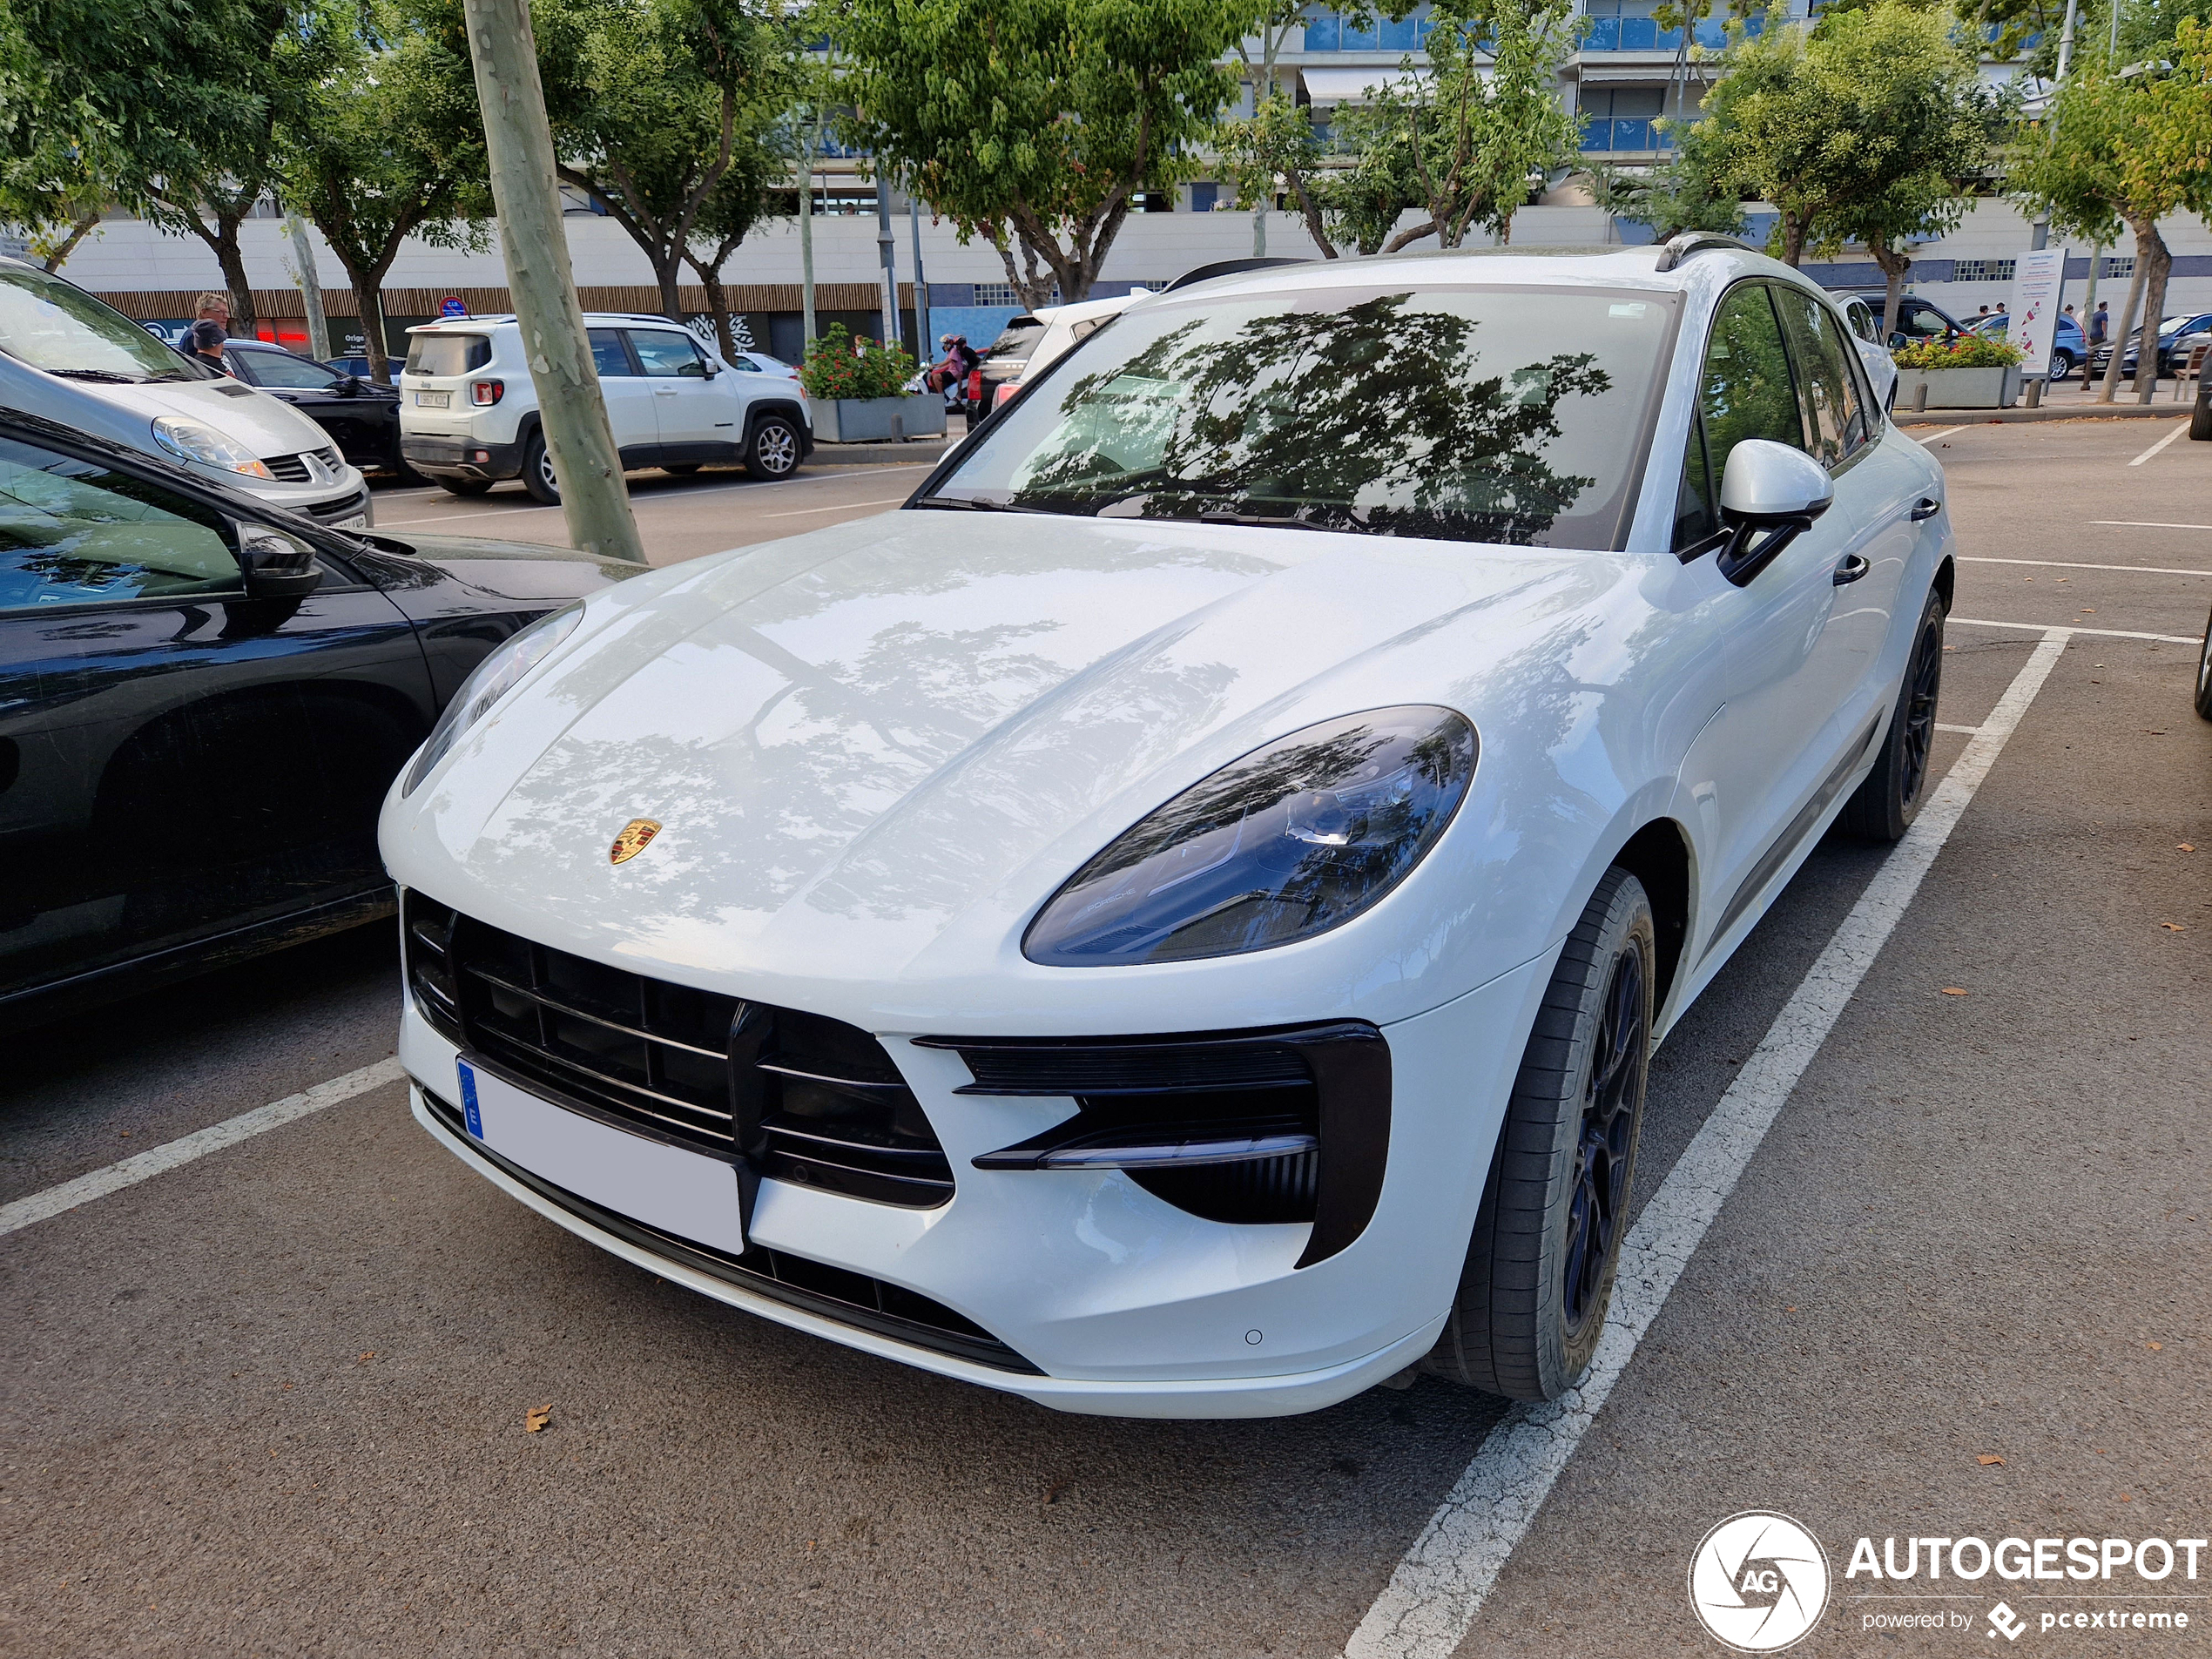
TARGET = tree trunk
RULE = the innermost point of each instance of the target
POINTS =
(369, 302)
(806, 236)
(2155, 262)
(667, 277)
(78, 233)
(1894, 262)
(2110, 386)
(1795, 227)
(1313, 225)
(223, 240)
(717, 303)
(594, 499)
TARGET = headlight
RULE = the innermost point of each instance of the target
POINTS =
(1295, 839)
(495, 676)
(189, 440)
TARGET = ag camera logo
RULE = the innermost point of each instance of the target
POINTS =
(1759, 1582)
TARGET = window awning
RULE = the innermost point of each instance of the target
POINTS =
(1350, 86)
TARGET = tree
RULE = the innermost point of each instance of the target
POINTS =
(741, 200)
(1276, 141)
(1034, 123)
(1680, 193)
(1921, 125)
(2126, 147)
(391, 147)
(1462, 141)
(653, 104)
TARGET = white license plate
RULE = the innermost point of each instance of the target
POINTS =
(358, 521)
(433, 400)
(685, 1193)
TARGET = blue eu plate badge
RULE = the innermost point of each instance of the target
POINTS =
(468, 1098)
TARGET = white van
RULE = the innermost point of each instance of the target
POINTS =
(78, 362)
(468, 408)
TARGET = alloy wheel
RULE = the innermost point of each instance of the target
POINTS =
(777, 447)
(1597, 1204)
(545, 472)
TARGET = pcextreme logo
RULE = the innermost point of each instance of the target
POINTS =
(1758, 1582)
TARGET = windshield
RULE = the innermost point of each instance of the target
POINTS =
(1478, 414)
(57, 326)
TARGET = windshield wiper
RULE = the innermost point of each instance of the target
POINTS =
(107, 375)
(1268, 521)
(970, 503)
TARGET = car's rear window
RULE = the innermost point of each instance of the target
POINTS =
(448, 354)
(1513, 414)
(1018, 337)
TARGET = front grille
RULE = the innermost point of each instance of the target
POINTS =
(329, 512)
(1327, 1086)
(293, 468)
(833, 1292)
(811, 1100)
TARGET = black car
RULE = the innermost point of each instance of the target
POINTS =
(202, 702)
(362, 417)
(2177, 338)
(1917, 319)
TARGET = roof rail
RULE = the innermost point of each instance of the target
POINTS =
(1679, 248)
(1226, 267)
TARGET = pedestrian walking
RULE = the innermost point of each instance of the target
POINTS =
(2100, 324)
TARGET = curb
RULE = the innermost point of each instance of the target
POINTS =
(2049, 412)
(877, 455)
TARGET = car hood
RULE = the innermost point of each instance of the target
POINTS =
(868, 743)
(430, 576)
(266, 425)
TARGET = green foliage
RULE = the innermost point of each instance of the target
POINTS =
(839, 367)
(391, 147)
(666, 113)
(1032, 122)
(1679, 195)
(1463, 138)
(1862, 129)
(1967, 351)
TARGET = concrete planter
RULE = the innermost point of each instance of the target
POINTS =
(871, 420)
(1961, 388)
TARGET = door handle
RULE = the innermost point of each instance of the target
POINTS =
(1927, 507)
(664, 391)
(1853, 567)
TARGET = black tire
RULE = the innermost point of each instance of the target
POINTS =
(772, 448)
(537, 472)
(2201, 418)
(680, 469)
(2204, 672)
(1884, 806)
(464, 487)
(1539, 1276)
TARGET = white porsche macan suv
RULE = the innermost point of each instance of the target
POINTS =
(1174, 921)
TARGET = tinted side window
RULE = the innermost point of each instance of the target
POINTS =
(666, 354)
(75, 533)
(1695, 518)
(282, 368)
(608, 355)
(1746, 391)
(1830, 397)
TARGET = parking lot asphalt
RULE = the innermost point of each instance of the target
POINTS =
(273, 1402)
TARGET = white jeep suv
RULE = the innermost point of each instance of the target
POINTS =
(468, 409)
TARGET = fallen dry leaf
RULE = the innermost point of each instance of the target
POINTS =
(1988, 1458)
(367, 1354)
(2088, 610)
(1792, 1308)
(2126, 1498)
(2154, 1346)
(1954, 990)
(537, 1417)
(2184, 846)
(2173, 926)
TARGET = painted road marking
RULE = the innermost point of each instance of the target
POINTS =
(1971, 731)
(2180, 427)
(2070, 564)
(842, 507)
(2149, 524)
(1443, 1579)
(1940, 432)
(675, 496)
(2068, 628)
(41, 1206)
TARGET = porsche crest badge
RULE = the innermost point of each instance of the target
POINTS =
(636, 836)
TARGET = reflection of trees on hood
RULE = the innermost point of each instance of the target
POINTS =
(1372, 417)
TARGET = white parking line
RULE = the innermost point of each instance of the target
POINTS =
(1940, 432)
(1971, 731)
(2069, 564)
(41, 1206)
(2068, 628)
(2149, 524)
(1443, 1579)
(674, 496)
(840, 506)
(2180, 427)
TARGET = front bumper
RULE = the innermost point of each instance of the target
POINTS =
(461, 457)
(1110, 1300)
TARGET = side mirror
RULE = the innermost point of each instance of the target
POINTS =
(1769, 495)
(346, 386)
(277, 566)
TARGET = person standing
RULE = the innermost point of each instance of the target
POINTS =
(2099, 326)
(203, 343)
(215, 306)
